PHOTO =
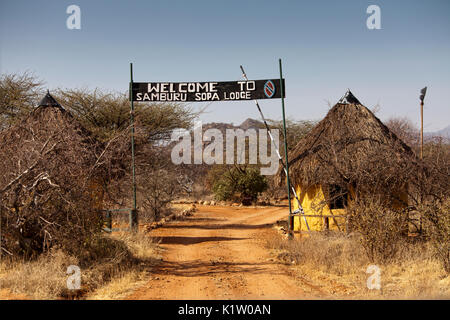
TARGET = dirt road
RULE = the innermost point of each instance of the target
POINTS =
(220, 253)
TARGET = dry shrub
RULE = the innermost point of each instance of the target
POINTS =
(438, 226)
(140, 245)
(47, 184)
(430, 196)
(380, 226)
(404, 129)
(159, 181)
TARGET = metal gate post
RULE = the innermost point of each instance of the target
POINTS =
(133, 212)
(290, 222)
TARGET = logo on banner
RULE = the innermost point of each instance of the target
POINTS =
(269, 89)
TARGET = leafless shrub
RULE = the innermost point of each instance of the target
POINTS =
(159, 182)
(404, 130)
(50, 186)
(430, 195)
(438, 226)
(380, 225)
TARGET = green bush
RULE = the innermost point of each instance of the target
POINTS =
(241, 184)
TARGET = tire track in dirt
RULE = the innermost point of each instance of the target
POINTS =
(220, 253)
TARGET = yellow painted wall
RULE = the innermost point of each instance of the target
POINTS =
(312, 201)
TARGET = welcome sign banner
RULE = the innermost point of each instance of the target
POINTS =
(207, 91)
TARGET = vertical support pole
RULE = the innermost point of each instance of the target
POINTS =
(109, 220)
(133, 212)
(421, 130)
(290, 224)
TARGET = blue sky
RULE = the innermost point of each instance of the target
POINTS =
(325, 47)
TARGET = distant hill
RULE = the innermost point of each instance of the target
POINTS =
(222, 126)
(251, 124)
(445, 133)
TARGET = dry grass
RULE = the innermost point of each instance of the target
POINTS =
(120, 262)
(122, 286)
(43, 278)
(147, 252)
(337, 265)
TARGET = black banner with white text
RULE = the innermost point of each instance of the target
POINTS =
(207, 91)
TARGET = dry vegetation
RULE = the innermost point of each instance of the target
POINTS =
(382, 177)
(354, 150)
(61, 167)
(337, 264)
(47, 197)
(121, 260)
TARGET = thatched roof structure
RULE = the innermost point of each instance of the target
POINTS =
(349, 145)
(49, 101)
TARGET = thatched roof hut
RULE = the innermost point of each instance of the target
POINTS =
(349, 136)
(48, 125)
(349, 149)
(51, 186)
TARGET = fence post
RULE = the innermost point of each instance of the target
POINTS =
(109, 220)
(134, 221)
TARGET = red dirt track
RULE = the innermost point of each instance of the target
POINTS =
(220, 253)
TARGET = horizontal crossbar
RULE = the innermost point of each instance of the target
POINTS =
(118, 210)
(318, 216)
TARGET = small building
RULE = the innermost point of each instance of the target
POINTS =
(340, 158)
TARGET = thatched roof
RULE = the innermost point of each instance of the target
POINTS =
(49, 101)
(349, 141)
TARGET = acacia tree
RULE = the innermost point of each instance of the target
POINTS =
(105, 113)
(295, 130)
(19, 94)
